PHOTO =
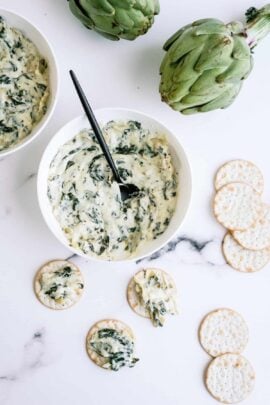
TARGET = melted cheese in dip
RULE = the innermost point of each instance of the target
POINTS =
(24, 87)
(86, 200)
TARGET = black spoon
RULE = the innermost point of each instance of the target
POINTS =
(126, 190)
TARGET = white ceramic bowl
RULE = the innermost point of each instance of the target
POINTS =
(45, 49)
(180, 162)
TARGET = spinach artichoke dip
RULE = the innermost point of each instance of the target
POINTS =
(86, 200)
(24, 86)
(59, 284)
(152, 293)
(110, 344)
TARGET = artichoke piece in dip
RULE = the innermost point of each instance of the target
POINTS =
(24, 86)
(110, 344)
(152, 293)
(86, 200)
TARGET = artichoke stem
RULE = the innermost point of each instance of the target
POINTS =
(258, 25)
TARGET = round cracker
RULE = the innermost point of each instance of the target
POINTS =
(119, 326)
(133, 298)
(237, 206)
(241, 259)
(257, 237)
(75, 291)
(230, 378)
(223, 331)
(240, 171)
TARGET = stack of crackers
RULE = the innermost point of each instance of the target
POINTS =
(238, 206)
(229, 377)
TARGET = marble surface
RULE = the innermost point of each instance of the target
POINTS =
(42, 352)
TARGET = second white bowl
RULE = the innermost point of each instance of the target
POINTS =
(31, 32)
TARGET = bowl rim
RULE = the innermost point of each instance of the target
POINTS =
(53, 101)
(189, 194)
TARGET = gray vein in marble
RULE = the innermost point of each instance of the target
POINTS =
(27, 179)
(8, 378)
(37, 335)
(194, 245)
(72, 256)
(34, 351)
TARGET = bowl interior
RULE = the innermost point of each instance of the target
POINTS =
(104, 115)
(32, 33)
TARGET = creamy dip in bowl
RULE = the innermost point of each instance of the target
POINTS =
(81, 202)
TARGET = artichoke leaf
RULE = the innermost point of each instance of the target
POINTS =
(131, 36)
(139, 18)
(175, 37)
(237, 70)
(156, 6)
(179, 78)
(189, 111)
(98, 7)
(223, 101)
(210, 28)
(185, 68)
(206, 20)
(241, 50)
(85, 19)
(122, 18)
(124, 4)
(251, 66)
(178, 106)
(178, 33)
(167, 71)
(216, 53)
(207, 86)
(165, 64)
(148, 7)
(185, 44)
(107, 26)
(193, 100)
(179, 91)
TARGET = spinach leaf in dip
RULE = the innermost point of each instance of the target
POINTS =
(86, 200)
(24, 86)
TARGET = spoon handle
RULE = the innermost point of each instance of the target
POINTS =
(94, 124)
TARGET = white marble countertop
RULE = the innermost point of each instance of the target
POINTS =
(42, 354)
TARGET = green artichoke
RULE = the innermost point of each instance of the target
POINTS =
(207, 61)
(116, 19)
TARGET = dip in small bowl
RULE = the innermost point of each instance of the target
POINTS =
(81, 202)
(28, 82)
